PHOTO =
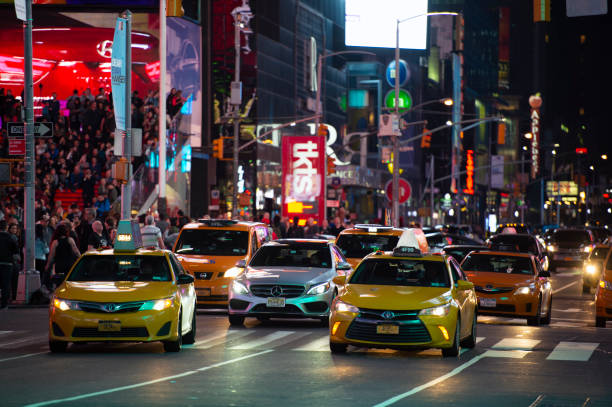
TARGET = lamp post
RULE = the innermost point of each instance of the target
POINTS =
(395, 207)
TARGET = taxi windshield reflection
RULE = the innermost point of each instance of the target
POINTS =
(121, 268)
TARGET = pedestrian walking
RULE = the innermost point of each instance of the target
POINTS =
(8, 249)
(151, 234)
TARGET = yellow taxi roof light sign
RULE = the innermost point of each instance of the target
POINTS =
(128, 236)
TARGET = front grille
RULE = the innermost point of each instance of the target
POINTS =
(499, 307)
(287, 309)
(287, 291)
(110, 307)
(203, 275)
(164, 330)
(408, 333)
(375, 314)
(493, 290)
(317, 306)
(126, 332)
(212, 297)
(238, 304)
(57, 331)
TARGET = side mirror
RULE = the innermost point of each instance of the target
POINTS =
(463, 285)
(241, 263)
(344, 266)
(339, 280)
(184, 279)
(57, 279)
(544, 273)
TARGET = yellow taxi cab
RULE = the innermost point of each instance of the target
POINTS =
(510, 284)
(603, 295)
(361, 240)
(215, 251)
(125, 294)
(403, 299)
(593, 267)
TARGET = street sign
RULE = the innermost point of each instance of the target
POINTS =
(17, 146)
(20, 9)
(42, 129)
(391, 73)
(404, 187)
(405, 100)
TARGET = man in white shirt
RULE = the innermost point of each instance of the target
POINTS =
(151, 235)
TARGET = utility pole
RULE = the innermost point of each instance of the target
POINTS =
(161, 201)
(126, 188)
(431, 188)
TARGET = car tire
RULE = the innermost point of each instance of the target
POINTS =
(58, 346)
(546, 320)
(535, 321)
(453, 351)
(586, 289)
(190, 338)
(337, 347)
(175, 346)
(324, 322)
(235, 320)
(600, 322)
(470, 341)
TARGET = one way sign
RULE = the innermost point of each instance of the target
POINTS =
(43, 129)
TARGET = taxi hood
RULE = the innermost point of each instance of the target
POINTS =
(281, 275)
(193, 263)
(115, 291)
(483, 278)
(395, 297)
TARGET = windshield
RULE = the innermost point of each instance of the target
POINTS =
(121, 268)
(458, 254)
(575, 236)
(498, 264)
(522, 244)
(599, 253)
(213, 241)
(292, 255)
(419, 273)
(359, 246)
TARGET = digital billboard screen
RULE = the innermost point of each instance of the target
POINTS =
(109, 3)
(372, 23)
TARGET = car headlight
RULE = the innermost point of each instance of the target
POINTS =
(233, 272)
(587, 249)
(440, 311)
(65, 305)
(158, 305)
(551, 248)
(319, 289)
(344, 307)
(527, 289)
(605, 284)
(239, 288)
(590, 269)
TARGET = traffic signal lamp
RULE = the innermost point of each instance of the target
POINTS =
(218, 148)
(426, 140)
(322, 131)
(501, 133)
(331, 165)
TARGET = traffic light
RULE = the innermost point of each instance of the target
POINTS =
(218, 148)
(426, 140)
(331, 165)
(322, 131)
(501, 133)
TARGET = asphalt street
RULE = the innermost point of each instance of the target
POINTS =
(288, 363)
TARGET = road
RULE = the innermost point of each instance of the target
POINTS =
(568, 363)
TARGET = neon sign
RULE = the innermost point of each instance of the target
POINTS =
(469, 168)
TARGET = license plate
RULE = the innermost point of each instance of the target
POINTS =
(488, 302)
(109, 326)
(387, 329)
(569, 258)
(203, 292)
(276, 302)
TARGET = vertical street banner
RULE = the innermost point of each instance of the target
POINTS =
(303, 182)
(119, 72)
(535, 102)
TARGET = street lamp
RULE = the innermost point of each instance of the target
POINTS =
(396, 164)
(604, 156)
(528, 136)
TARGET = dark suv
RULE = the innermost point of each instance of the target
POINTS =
(519, 243)
(570, 247)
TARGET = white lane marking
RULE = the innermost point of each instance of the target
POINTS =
(565, 286)
(318, 345)
(568, 324)
(487, 319)
(219, 339)
(147, 383)
(537, 401)
(577, 351)
(431, 383)
(5, 332)
(22, 341)
(22, 356)
(480, 339)
(516, 348)
(263, 341)
(571, 310)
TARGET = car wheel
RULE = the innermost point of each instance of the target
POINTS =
(586, 289)
(470, 341)
(535, 321)
(454, 349)
(175, 346)
(337, 347)
(324, 322)
(600, 322)
(58, 346)
(546, 320)
(189, 339)
(236, 320)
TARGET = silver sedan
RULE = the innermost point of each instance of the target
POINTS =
(288, 278)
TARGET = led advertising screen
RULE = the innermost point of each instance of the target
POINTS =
(372, 23)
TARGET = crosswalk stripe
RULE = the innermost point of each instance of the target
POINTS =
(480, 339)
(516, 348)
(577, 351)
(215, 340)
(22, 341)
(5, 332)
(264, 340)
(318, 345)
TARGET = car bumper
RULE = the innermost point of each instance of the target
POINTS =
(603, 303)
(212, 292)
(142, 326)
(508, 304)
(568, 259)
(423, 332)
(305, 306)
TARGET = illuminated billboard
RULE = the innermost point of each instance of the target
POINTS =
(372, 23)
